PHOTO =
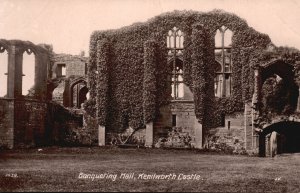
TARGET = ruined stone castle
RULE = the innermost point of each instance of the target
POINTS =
(183, 79)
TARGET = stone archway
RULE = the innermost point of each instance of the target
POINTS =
(82, 95)
(267, 108)
(281, 137)
(24, 122)
(77, 92)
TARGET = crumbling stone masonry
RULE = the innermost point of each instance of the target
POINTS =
(69, 75)
(32, 119)
(22, 116)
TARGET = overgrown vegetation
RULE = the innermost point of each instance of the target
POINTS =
(280, 82)
(137, 61)
(65, 127)
(279, 98)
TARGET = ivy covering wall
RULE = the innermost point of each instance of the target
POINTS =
(199, 68)
(128, 68)
(103, 56)
(149, 84)
(279, 84)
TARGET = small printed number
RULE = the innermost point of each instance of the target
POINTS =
(11, 175)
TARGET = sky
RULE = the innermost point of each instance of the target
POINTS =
(68, 24)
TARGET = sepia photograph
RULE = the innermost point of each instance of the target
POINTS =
(150, 96)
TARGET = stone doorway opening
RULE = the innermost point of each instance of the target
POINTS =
(281, 137)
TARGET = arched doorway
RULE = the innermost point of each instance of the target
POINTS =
(78, 92)
(277, 97)
(82, 96)
(282, 137)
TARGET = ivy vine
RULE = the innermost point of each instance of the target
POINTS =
(136, 84)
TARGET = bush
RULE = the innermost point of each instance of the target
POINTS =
(78, 136)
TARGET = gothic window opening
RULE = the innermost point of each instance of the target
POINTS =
(223, 79)
(28, 70)
(3, 71)
(175, 40)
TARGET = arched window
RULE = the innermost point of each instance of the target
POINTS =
(28, 72)
(175, 40)
(223, 56)
(3, 71)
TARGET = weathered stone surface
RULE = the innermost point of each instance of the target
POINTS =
(248, 127)
(58, 93)
(67, 93)
(6, 124)
(75, 65)
(101, 135)
(186, 134)
(31, 123)
(231, 138)
(149, 134)
(230, 141)
(30, 119)
(22, 118)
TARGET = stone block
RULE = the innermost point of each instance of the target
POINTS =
(149, 135)
(101, 135)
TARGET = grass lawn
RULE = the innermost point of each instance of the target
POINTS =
(58, 169)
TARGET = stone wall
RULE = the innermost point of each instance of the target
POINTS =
(75, 65)
(31, 123)
(249, 139)
(32, 120)
(61, 123)
(181, 134)
(58, 93)
(75, 69)
(163, 123)
(6, 123)
(30, 128)
(231, 138)
(90, 124)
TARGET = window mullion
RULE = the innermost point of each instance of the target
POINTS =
(175, 48)
(174, 66)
